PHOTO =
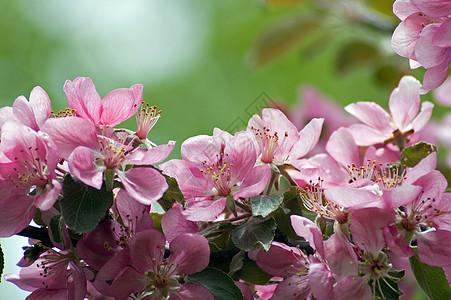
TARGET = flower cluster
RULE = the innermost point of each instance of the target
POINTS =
(278, 210)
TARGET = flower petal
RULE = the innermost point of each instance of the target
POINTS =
(405, 102)
(119, 105)
(82, 166)
(190, 253)
(83, 97)
(372, 115)
(174, 223)
(145, 185)
(147, 250)
(308, 230)
(16, 213)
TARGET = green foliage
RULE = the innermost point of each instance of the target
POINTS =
(220, 285)
(412, 155)
(237, 262)
(432, 280)
(56, 225)
(389, 289)
(250, 272)
(173, 194)
(82, 206)
(256, 231)
(355, 54)
(264, 205)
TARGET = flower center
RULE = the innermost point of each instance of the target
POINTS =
(220, 174)
(269, 143)
(146, 118)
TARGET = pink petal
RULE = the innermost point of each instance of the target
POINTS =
(191, 291)
(293, 288)
(372, 115)
(119, 105)
(443, 93)
(400, 196)
(41, 105)
(433, 8)
(83, 97)
(174, 223)
(367, 136)
(205, 210)
(151, 156)
(425, 166)
(24, 113)
(308, 138)
(255, 182)
(308, 230)
(405, 36)
(132, 212)
(405, 102)
(434, 77)
(16, 213)
(190, 253)
(202, 148)
(340, 255)
(423, 117)
(396, 241)
(82, 166)
(442, 37)
(45, 201)
(240, 155)
(350, 197)
(145, 185)
(129, 281)
(147, 250)
(367, 227)
(427, 54)
(48, 294)
(352, 287)
(245, 290)
(276, 121)
(434, 247)
(403, 8)
(65, 134)
(78, 287)
(342, 147)
(281, 260)
(321, 281)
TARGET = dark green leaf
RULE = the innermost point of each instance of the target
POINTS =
(56, 225)
(231, 205)
(220, 285)
(387, 289)
(264, 205)
(156, 218)
(173, 194)
(282, 218)
(82, 206)
(250, 272)
(292, 201)
(237, 262)
(256, 231)
(412, 155)
(284, 36)
(432, 280)
(2, 263)
(354, 54)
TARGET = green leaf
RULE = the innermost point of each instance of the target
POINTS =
(256, 231)
(156, 219)
(283, 221)
(220, 285)
(173, 194)
(237, 262)
(231, 205)
(264, 205)
(412, 155)
(2, 262)
(389, 288)
(56, 225)
(432, 280)
(292, 201)
(251, 272)
(283, 36)
(82, 206)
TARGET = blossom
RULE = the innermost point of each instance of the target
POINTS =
(381, 127)
(116, 107)
(278, 140)
(150, 274)
(54, 275)
(27, 176)
(31, 113)
(423, 37)
(215, 167)
(91, 155)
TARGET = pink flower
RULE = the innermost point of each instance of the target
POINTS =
(55, 275)
(31, 113)
(381, 127)
(215, 167)
(278, 140)
(116, 107)
(28, 161)
(151, 274)
(89, 156)
(423, 37)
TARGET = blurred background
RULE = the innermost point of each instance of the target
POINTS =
(204, 63)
